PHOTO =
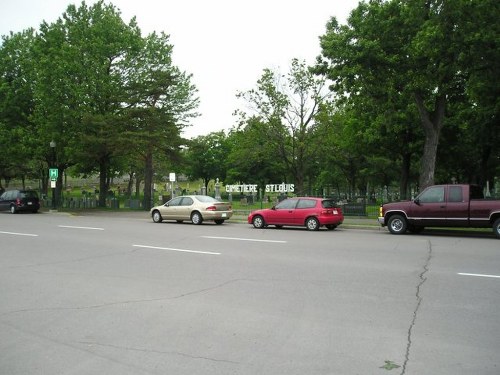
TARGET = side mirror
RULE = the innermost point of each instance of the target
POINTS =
(417, 201)
(273, 207)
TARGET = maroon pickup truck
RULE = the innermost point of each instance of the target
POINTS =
(442, 206)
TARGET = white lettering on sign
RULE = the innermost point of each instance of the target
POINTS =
(271, 188)
(241, 188)
(280, 188)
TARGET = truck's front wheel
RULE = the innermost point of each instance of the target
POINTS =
(397, 224)
(496, 228)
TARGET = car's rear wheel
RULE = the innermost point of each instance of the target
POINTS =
(496, 228)
(157, 216)
(196, 218)
(219, 221)
(13, 209)
(258, 222)
(397, 224)
(312, 223)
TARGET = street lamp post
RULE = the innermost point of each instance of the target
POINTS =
(53, 147)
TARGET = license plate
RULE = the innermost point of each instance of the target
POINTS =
(30, 203)
(335, 212)
(224, 215)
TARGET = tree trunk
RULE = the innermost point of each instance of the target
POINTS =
(137, 186)
(103, 181)
(130, 184)
(432, 122)
(148, 181)
(405, 175)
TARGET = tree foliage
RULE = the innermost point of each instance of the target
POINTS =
(413, 99)
(409, 54)
(288, 106)
(106, 95)
(206, 157)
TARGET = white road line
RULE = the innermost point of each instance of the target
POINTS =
(20, 234)
(242, 239)
(72, 227)
(479, 275)
(172, 249)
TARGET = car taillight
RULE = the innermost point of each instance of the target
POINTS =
(18, 202)
(211, 208)
(333, 211)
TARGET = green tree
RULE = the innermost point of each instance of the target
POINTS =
(288, 106)
(403, 48)
(161, 101)
(79, 90)
(17, 105)
(251, 157)
(206, 157)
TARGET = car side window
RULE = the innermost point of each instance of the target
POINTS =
(174, 202)
(455, 194)
(287, 204)
(434, 194)
(306, 203)
(186, 201)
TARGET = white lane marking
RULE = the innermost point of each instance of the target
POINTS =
(73, 227)
(20, 234)
(242, 239)
(479, 275)
(172, 249)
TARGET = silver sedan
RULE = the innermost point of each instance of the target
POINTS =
(194, 208)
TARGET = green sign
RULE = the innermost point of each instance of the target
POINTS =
(53, 173)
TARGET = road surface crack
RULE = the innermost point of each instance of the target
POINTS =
(155, 351)
(126, 302)
(419, 298)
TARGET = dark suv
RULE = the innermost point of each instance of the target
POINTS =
(19, 200)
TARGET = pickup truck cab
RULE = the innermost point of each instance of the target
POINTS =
(442, 206)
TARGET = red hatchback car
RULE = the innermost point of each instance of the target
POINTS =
(301, 211)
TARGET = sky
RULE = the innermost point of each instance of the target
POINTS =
(224, 44)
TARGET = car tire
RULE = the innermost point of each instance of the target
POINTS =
(219, 221)
(196, 218)
(397, 224)
(258, 222)
(496, 228)
(331, 226)
(157, 216)
(13, 209)
(312, 223)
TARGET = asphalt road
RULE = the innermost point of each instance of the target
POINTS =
(113, 294)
